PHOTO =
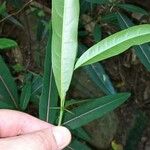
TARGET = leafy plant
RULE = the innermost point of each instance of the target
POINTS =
(7, 43)
(64, 55)
(64, 40)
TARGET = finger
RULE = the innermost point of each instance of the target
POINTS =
(14, 123)
(55, 138)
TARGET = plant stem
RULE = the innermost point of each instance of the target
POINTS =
(61, 112)
(61, 116)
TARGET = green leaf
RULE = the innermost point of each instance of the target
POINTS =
(7, 43)
(74, 102)
(2, 7)
(135, 132)
(37, 85)
(115, 44)
(49, 97)
(8, 88)
(142, 51)
(81, 134)
(4, 105)
(75, 145)
(93, 110)
(99, 1)
(133, 8)
(25, 96)
(64, 42)
(110, 18)
(97, 33)
(98, 75)
(82, 88)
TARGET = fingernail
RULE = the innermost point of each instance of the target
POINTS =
(62, 136)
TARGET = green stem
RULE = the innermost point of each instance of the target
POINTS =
(62, 108)
(61, 116)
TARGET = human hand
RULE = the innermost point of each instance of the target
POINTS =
(20, 131)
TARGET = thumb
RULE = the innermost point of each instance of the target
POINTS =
(55, 138)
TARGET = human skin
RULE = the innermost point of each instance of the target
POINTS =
(20, 131)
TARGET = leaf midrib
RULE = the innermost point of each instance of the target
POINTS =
(82, 115)
(86, 62)
(49, 95)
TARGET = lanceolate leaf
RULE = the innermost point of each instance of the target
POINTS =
(49, 97)
(8, 88)
(133, 8)
(64, 41)
(115, 44)
(81, 134)
(93, 110)
(25, 95)
(142, 51)
(7, 43)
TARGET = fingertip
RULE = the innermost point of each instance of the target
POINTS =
(62, 136)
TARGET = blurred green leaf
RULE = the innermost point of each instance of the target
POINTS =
(37, 85)
(136, 132)
(142, 51)
(94, 109)
(4, 105)
(80, 133)
(99, 1)
(75, 145)
(2, 7)
(49, 97)
(97, 33)
(7, 43)
(8, 88)
(25, 96)
(18, 67)
(133, 8)
(115, 44)
(98, 75)
(110, 18)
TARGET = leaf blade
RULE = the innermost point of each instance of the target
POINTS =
(8, 88)
(115, 44)
(49, 96)
(64, 41)
(7, 43)
(25, 96)
(93, 110)
(133, 8)
(142, 51)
